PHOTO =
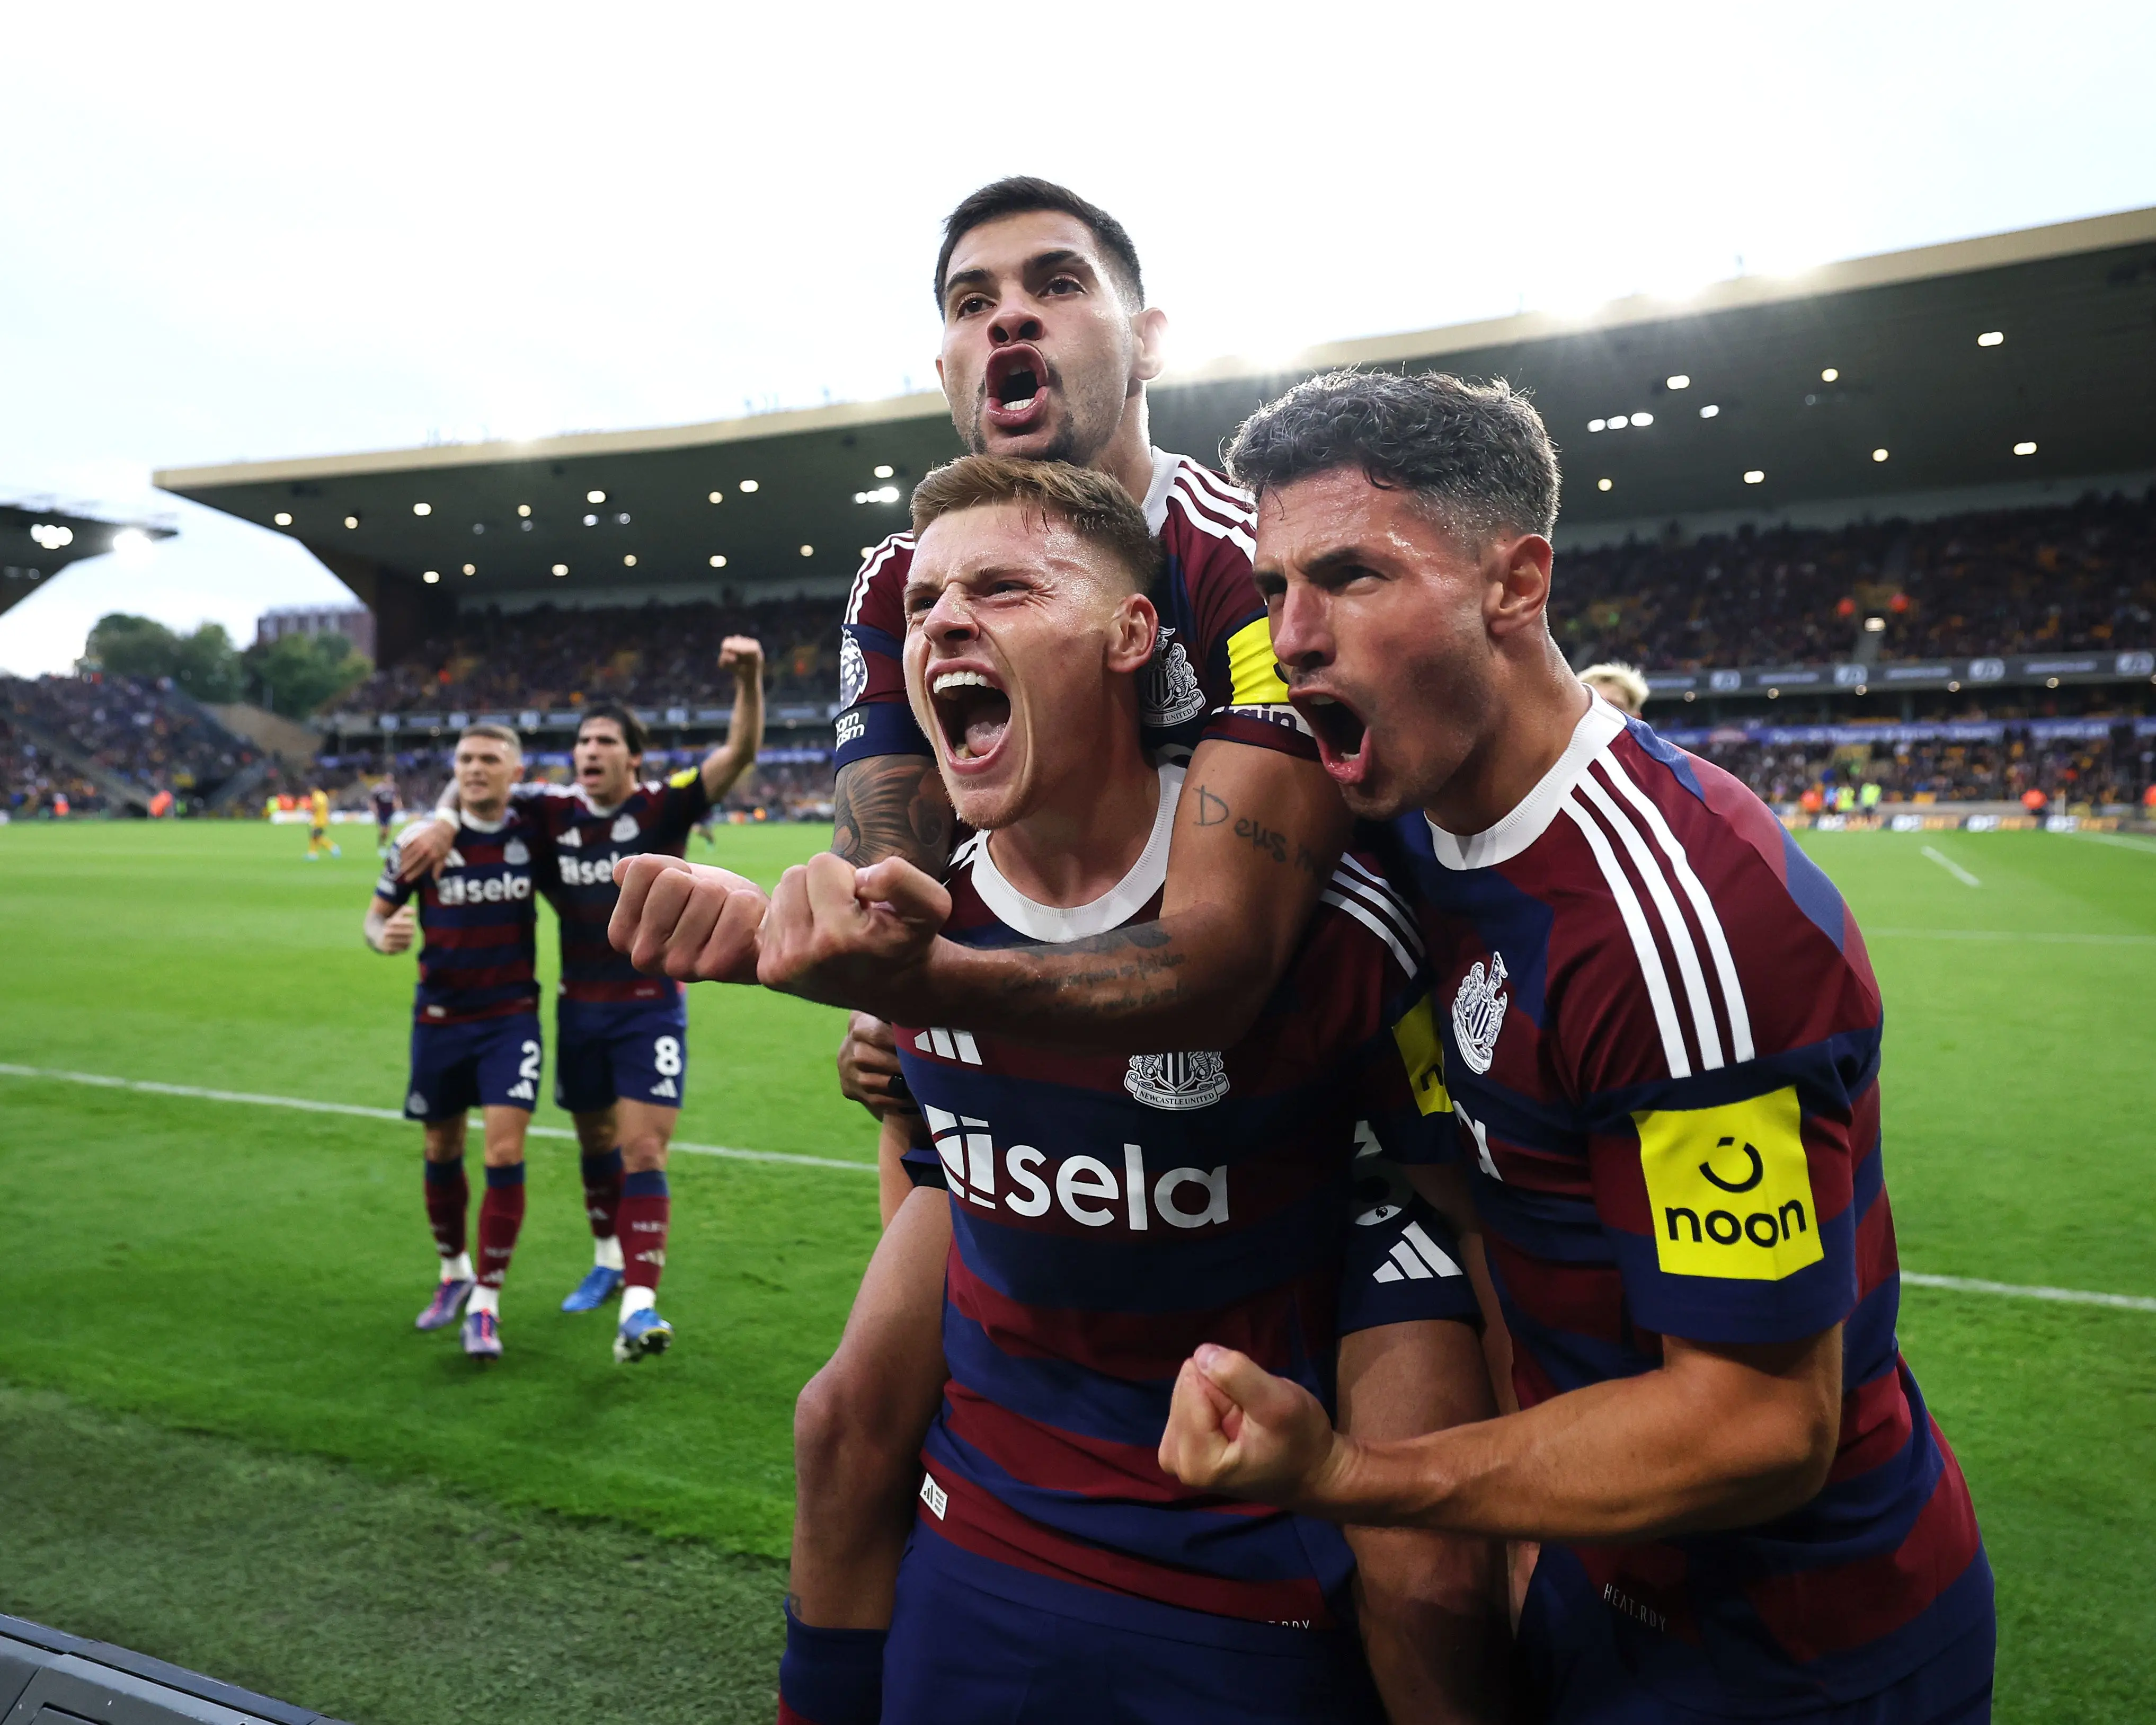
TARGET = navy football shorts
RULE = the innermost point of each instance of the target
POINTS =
(489, 1063)
(1571, 1671)
(973, 1639)
(635, 1052)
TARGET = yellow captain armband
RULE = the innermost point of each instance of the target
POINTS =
(684, 778)
(1254, 677)
(1416, 1034)
(1729, 1189)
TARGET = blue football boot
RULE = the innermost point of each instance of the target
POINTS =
(641, 1333)
(449, 1297)
(482, 1335)
(599, 1286)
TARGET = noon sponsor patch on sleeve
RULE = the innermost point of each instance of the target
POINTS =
(1729, 1188)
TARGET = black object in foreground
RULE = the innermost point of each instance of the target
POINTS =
(49, 1678)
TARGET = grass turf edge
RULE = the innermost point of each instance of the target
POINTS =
(380, 1602)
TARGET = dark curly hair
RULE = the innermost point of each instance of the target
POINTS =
(1476, 454)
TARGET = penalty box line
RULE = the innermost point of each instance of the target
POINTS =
(309, 1104)
(1953, 1284)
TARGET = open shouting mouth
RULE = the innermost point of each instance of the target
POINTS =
(1017, 385)
(973, 712)
(1341, 733)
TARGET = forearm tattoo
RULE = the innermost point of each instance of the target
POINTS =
(892, 805)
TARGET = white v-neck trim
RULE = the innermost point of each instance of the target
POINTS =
(1164, 466)
(478, 825)
(1599, 727)
(1111, 910)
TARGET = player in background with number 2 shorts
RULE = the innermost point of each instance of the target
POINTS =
(475, 1028)
(621, 1038)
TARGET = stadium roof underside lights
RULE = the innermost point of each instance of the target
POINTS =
(39, 539)
(2020, 356)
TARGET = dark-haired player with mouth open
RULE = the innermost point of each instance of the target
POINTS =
(1662, 1039)
(621, 1038)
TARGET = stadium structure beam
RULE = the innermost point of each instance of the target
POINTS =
(39, 539)
(2020, 360)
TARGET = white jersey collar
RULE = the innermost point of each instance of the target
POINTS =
(1156, 497)
(1111, 910)
(1599, 727)
(475, 824)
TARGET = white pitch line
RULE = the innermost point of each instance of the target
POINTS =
(1952, 867)
(310, 1105)
(2071, 1296)
(2011, 934)
(2125, 841)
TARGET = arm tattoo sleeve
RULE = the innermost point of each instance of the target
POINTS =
(892, 805)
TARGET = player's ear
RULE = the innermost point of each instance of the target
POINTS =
(1518, 583)
(1150, 326)
(1131, 633)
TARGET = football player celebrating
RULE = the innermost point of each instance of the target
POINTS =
(1660, 1035)
(475, 1025)
(621, 1038)
(1048, 345)
(1105, 1207)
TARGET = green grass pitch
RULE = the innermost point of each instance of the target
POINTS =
(222, 1442)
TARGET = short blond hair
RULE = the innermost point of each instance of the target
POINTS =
(1622, 683)
(500, 733)
(1090, 504)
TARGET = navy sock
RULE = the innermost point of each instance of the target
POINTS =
(645, 1183)
(508, 1174)
(830, 1677)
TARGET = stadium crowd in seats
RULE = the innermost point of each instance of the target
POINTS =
(147, 733)
(2070, 772)
(2022, 581)
(649, 655)
(33, 781)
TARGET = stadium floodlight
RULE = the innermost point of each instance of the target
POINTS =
(52, 535)
(1874, 625)
(282, 518)
(1617, 422)
(524, 510)
(883, 470)
(748, 485)
(1879, 454)
(1643, 418)
(629, 561)
(808, 551)
(431, 577)
(423, 509)
(622, 518)
(1755, 476)
(2024, 448)
(1596, 424)
(594, 496)
(1604, 485)
(561, 568)
(1709, 411)
(591, 520)
(471, 568)
(131, 543)
(351, 521)
(718, 562)
(1676, 380)
(1991, 338)
(1828, 375)
(718, 496)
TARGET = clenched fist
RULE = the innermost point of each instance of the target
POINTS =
(686, 920)
(1236, 1428)
(850, 937)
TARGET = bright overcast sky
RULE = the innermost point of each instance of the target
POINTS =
(230, 233)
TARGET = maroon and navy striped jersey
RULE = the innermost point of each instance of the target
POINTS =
(1661, 1038)
(1111, 1212)
(1213, 672)
(583, 843)
(477, 917)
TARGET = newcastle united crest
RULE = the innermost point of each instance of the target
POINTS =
(1169, 693)
(1478, 1013)
(1177, 1081)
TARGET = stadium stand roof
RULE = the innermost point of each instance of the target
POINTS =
(2020, 356)
(39, 538)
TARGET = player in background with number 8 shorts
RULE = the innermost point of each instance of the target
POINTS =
(475, 1028)
(621, 1038)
